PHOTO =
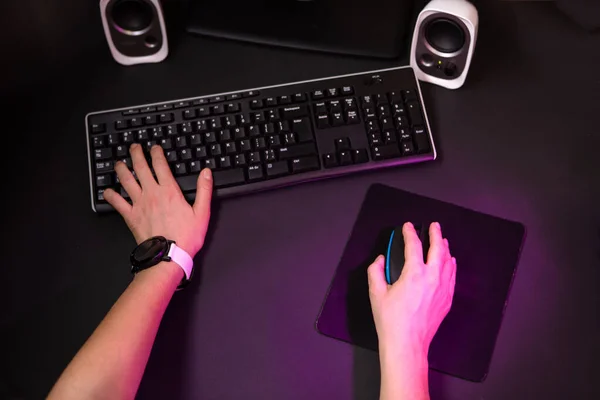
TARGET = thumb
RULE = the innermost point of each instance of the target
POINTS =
(377, 283)
(204, 189)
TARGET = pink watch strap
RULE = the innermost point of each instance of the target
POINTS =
(182, 258)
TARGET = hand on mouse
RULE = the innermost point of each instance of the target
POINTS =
(408, 313)
(158, 206)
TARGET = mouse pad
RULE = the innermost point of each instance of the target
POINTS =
(486, 248)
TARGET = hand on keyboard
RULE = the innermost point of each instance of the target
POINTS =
(158, 206)
(408, 313)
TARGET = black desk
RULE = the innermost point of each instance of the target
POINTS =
(520, 141)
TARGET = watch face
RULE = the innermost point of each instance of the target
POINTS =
(150, 252)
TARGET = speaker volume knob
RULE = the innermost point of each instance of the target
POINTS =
(445, 35)
(132, 16)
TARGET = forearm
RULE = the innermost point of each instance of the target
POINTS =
(111, 363)
(404, 373)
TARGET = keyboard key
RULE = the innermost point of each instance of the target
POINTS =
(136, 122)
(164, 107)
(150, 120)
(98, 128)
(269, 155)
(258, 117)
(218, 109)
(398, 109)
(335, 106)
(352, 117)
(233, 96)
(293, 112)
(122, 151)
(148, 109)
(282, 100)
(253, 131)
(203, 112)
(187, 183)
(342, 144)
(254, 157)
(385, 151)
(239, 160)
(370, 113)
(268, 128)
(255, 172)
(273, 115)
(274, 141)
(395, 97)
(239, 132)
(122, 124)
(225, 162)
(277, 168)
(185, 128)
(375, 139)
(350, 104)
(200, 102)
(216, 99)
(345, 157)
(259, 143)
(317, 95)
(270, 101)
(409, 95)
(200, 152)
(195, 167)
(166, 144)
(189, 114)
(305, 164)
(171, 156)
(228, 177)
(230, 148)
(103, 180)
(332, 92)
(330, 160)
(421, 139)
(387, 123)
(185, 155)
(245, 146)
(283, 126)
(401, 122)
(407, 148)
(359, 156)
(180, 169)
(302, 129)
(381, 99)
(210, 137)
(337, 119)
(100, 195)
(404, 134)
(347, 90)
(195, 139)
(299, 150)
(103, 154)
(215, 149)
(414, 113)
(224, 135)
(104, 166)
(320, 108)
(251, 93)
(210, 163)
(256, 104)
(99, 141)
(323, 121)
(215, 123)
(383, 111)
(372, 126)
(127, 161)
(128, 137)
(181, 104)
(166, 117)
(299, 97)
(233, 107)
(180, 142)
(201, 126)
(289, 139)
(389, 136)
(367, 101)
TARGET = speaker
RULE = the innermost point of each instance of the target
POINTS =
(444, 41)
(135, 30)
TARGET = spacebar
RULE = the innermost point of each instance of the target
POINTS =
(187, 183)
(221, 178)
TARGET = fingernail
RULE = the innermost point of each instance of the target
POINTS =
(446, 242)
(409, 225)
(453, 260)
(207, 174)
(437, 225)
(133, 146)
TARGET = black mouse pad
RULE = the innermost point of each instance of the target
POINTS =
(487, 249)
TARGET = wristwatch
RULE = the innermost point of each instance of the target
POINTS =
(156, 249)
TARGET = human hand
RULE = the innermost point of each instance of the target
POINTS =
(158, 206)
(408, 313)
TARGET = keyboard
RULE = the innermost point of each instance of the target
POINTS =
(269, 137)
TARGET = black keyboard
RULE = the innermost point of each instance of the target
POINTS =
(269, 137)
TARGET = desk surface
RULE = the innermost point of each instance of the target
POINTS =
(520, 141)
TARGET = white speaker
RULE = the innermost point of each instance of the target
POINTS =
(444, 41)
(135, 30)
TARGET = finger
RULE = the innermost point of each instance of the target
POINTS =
(118, 202)
(376, 274)
(452, 284)
(128, 182)
(413, 249)
(204, 189)
(437, 248)
(446, 270)
(140, 166)
(161, 166)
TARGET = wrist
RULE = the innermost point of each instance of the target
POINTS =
(166, 271)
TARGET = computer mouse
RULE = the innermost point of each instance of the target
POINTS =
(394, 258)
(132, 16)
